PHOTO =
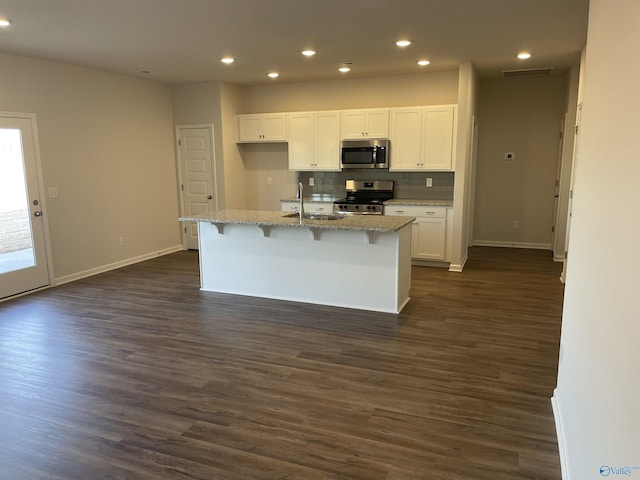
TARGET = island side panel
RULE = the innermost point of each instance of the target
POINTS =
(404, 266)
(339, 268)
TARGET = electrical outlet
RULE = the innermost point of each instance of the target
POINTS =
(429, 182)
(516, 225)
(312, 181)
(508, 156)
(53, 192)
(121, 240)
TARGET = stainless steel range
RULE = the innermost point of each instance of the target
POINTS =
(365, 197)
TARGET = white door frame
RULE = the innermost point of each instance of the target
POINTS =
(557, 214)
(576, 147)
(41, 196)
(471, 200)
(212, 166)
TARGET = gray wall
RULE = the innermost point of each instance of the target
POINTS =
(520, 115)
(106, 143)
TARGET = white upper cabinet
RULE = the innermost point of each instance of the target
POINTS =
(369, 123)
(314, 141)
(406, 138)
(422, 138)
(265, 127)
(438, 137)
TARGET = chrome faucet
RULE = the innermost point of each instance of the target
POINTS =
(300, 196)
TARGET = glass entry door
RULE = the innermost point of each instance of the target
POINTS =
(23, 260)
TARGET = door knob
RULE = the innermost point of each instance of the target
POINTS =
(37, 214)
(209, 197)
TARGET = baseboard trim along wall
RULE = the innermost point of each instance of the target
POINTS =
(564, 466)
(113, 266)
(458, 268)
(491, 243)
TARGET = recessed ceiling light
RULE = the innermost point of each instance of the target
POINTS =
(403, 43)
(5, 22)
(273, 75)
(344, 69)
(308, 53)
(524, 55)
(227, 60)
(423, 63)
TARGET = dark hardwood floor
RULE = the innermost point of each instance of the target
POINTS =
(136, 374)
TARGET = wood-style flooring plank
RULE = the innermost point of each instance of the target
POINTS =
(137, 374)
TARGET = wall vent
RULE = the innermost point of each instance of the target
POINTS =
(532, 72)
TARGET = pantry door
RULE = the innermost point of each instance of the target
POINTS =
(23, 255)
(196, 175)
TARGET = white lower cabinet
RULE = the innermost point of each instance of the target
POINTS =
(429, 236)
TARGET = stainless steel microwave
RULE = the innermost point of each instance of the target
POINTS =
(365, 153)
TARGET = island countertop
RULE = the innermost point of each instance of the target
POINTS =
(263, 218)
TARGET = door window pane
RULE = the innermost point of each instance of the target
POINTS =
(16, 241)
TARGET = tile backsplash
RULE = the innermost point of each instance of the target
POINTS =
(409, 185)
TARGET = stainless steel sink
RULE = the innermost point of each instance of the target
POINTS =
(315, 216)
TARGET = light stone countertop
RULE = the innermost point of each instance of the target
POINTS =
(316, 197)
(419, 202)
(263, 218)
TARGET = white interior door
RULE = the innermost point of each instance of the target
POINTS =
(23, 256)
(556, 193)
(197, 176)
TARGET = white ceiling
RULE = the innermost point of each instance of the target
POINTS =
(181, 41)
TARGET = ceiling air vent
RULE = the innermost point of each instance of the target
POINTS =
(532, 72)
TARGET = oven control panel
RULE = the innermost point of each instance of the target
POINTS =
(357, 208)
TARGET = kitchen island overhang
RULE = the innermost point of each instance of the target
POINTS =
(356, 261)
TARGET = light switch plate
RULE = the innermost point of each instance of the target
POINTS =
(429, 182)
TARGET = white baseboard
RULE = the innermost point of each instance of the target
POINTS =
(113, 266)
(564, 465)
(491, 243)
(455, 267)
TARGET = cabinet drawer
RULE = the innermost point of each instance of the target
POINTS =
(318, 207)
(416, 211)
(309, 207)
(289, 206)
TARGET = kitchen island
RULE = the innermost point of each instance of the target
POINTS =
(354, 261)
